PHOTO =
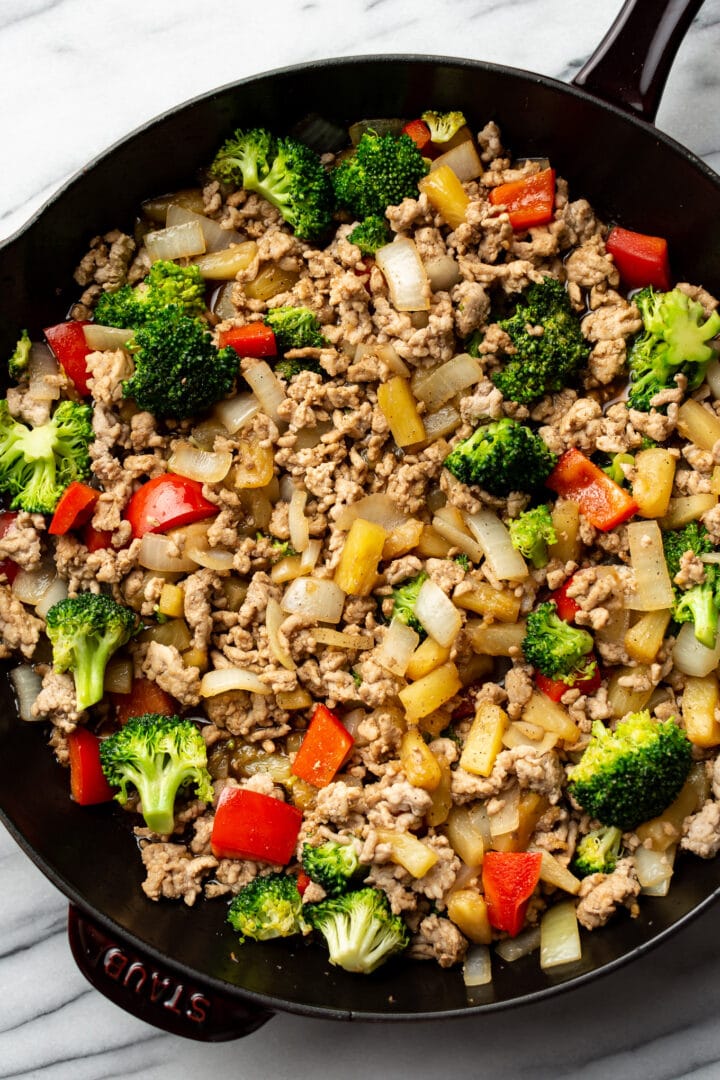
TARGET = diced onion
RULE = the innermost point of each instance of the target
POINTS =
(267, 387)
(477, 969)
(690, 655)
(457, 537)
(379, 509)
(209, 467)
(443, 272)
(177, 242)
(119, 675)
(559, 936)
(298, 524)
(218, 559)
(653, 588)
(236, 412)
(100, 338)
(463, 160)
(437, 614)
(27, 684)
(220, 680)
(216, 238)
(157, 552)
(507, 819)
(353, 720)
(221, 303)
(42, 373)
(552, 872)
(310, 556)
(652, 867)
(404, 272)
(324, 635)
(57, 591)
(512, 949)
(317, 598)
(441, 423)
(493, 537)
(30, 586)
(288, 569)
(397, 646)
(713, 377)
(273, 621)
(448, 380)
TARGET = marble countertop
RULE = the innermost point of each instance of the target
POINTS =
(80, 75)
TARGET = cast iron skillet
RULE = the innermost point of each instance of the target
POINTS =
(174, 966)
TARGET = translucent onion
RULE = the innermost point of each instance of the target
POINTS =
(221, 680)
(216, 238)
(559, 936)
(288, 569)
(437, 614)
(493, 537)
(441, 423)
(397, 646)
(209, 467)
(42, 373)
(463, 160)
(310, 556)
(404, 272)
(267, 387)
(552, 872)
(512, 949)
(30, 586)
(388, 354)
(653, 588)
(712, 376)
(477, 969)
(507, 819)
(379, 509)
(157, 553)
(324, 635)
(659, 868)
(273, 620)
(57, 591)
(456, 536)
(221, 303)
(27, 684)
(99, 338)
(119, 676)
(317, 598)
(448, 380)
(234, 413)
(443, 272)
(690, 655)
(311, 436)
(218, 559)
(178, 242)
(298, 524)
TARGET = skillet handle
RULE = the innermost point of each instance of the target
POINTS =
(632, 62)
(153, 992)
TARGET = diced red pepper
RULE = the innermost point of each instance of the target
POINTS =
(87, 780)
(67, 342)
(528, 202)
(96, 539)
(418, 131)
(249, 825)
(567, 608)
(166, 502)
(603, 502)
(145, 697)
(302, 882)
(509, 879)
(326, 745)
(642, 260)
(254, 339)
(555, 688)
(75, 507)
(8, 567)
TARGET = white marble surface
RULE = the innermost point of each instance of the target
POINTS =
(75, 75)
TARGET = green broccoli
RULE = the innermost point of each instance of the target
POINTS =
(381, 172)
(548, 344)
(157, 755)
(18, 362)
(597, 852)
(371, 234)
(38, 463)
(674, 340)
(555, 648)
(404, 600)
(631, 774)
(360, 931)
(178, 370)
(166, 284)
(531, 533)
(443, 126)
(462, 560)
(85, 631)
(285, 172)
(332, 865)
(268, 907)
(281, 548)
(699, 603)
(501, 457)
(295, 328)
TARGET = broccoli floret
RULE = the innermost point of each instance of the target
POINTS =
(471, 344)
(281, 548)
(531, 533)
(166, 284)
(501, 457)
(268, 907)
(463, 561)
(556, 648)
(157, 755)
(332, 865)
(614, 469)
(18, 362)
(631, 774)
(295, 328)
(85, 631)
(178, 370)
(285, 172)
(544, 362)
(360, 931)
(443, 125)
(38, 463)
(598, 851)
(674, 340)
(404, 600)
(371, 234)
(381, 172)
(700, 603)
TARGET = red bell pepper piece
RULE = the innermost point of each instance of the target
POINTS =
(8, 567)
(641, 259)
(418, 131)
(166, 502)
(248, 825)
(302, 882)
(75, 507)
(528, 202)
(603, 502)
(567, 608)
(326, 745)
(87, 780)
(145, 697)
(67, 342)
(254, 339)
(555, 688)
(96, 539)
(509, 879)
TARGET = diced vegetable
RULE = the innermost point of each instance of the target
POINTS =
(437, 614)
(167, 502)
(462, 159)
(405, 274)
(88, 785)
(653, 588)
(528, 202)
(356, 572)
(484, 739)
(686, 508)
(641, 259)
(644, 639)
(254, 339)
(509, 880)
(409, 852)
(399, 408)
(227, 264)
(448, 380)
(175, 242)
(700, 702)
(477, 969)
(427, 694)
(249, 825)
(75, 507)
(559, 936)
(603, 502)
(496, 639)
(692, 657)
(483, 599)
(205, 466)
(493, 537)
(67, 341)
(324, 748)
(446, 194)
(698, 424)
(397, 647)
(622, 699)
(315, 597)
(565, 518)
(551, 716)
(468, 910)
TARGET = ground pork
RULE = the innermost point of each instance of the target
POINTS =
(601, 894)
(164, 665)
(540, 772)
(23, 540)
(173, 873)
(438, 939)
(20, 631)
(701, 831)
(56, 701)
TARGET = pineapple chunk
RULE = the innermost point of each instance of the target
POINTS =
(171, 601)
(496, 639)
(483, 599)
(429, 693)
(643, 640)
(271, 280)
(566, 523)
(226, 265)
(402, 539)
(409, 852)
(399, 408)
(699, 709)
(357, 570)
(653, 483)
(293, 699)
(484, 740)
(255, 464)
(420, 765)
(446, 194)
(428, 656)
(551, 716)
(468, 910)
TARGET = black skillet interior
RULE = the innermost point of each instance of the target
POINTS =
(631, 174)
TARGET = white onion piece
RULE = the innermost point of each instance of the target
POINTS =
(177, 242)
(379, 509)
(463, 160)
(404, 272)
(713, 377)
(298, 524)
(30, 586)
(448, 380)
(267, 387)
(397, 646)
(512, 949)
(216, 238)
(353, 720)
(211, 558)
(57, 591)
(157, 552)
(388, 354)
(287, 487)
(273, 621)
(221, 303)
(559, 936)
(690, 655)
(209, 467)
(441, 423)
(119, 676)
(220, 680)
(234, 413)
(652, 867)
(457, 537)
(507, 819)
(101, 338)
(317, 598)
(42, 373)
(437, 614)
(477, 969)
(27, 684)
(324, 635)
(443, 272)
(493, 537)
(310, 556)
(310, 436)
(653, 588)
